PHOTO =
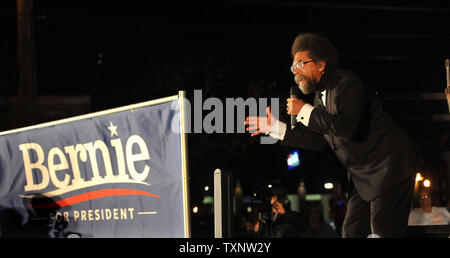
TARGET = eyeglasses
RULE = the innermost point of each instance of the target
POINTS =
(424, 197)
(300, 65)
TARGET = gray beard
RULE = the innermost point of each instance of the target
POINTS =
(307, 86)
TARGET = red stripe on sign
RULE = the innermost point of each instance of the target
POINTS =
(91, 196)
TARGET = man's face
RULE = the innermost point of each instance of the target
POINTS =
(425, 200)
(277, 207)
(309, 76)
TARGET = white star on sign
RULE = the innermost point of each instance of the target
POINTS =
(113, 129)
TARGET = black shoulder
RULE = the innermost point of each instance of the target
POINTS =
(347, 77)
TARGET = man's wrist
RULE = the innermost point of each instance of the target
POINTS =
(304, 114)
(277, 130)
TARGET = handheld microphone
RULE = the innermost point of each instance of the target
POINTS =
(447, 68)
(293, 117)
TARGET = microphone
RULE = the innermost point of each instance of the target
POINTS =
(447, 68)
(293, 118)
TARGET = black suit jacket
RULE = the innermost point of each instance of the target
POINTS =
(376, 151)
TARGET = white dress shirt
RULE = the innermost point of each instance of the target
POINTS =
(278, 129)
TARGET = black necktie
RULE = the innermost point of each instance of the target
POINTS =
(320, 100)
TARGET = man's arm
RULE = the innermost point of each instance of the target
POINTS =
(300, 136)
(446, 214)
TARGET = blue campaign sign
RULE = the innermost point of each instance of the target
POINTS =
(115, 173)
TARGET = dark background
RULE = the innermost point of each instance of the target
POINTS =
(123, 52)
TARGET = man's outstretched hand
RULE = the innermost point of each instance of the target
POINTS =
(259, 124)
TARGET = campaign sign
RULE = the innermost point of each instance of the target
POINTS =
(115, 173)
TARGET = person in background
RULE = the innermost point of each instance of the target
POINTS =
(317, 227)
(337, 205)
(282, 222)
(286, 223)
(427, 214)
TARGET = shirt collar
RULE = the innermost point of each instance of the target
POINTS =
(324, 81)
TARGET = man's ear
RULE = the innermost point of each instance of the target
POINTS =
(321, 65)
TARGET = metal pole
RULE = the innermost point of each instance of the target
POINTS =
(218, 203)
(184, 146)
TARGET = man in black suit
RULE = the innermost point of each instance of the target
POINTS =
(379, 156)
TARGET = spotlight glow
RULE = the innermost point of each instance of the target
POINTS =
(419, 177)
(328, 185)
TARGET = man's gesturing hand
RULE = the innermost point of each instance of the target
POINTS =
(259, 124)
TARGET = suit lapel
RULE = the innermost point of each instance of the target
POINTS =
(318, 101)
